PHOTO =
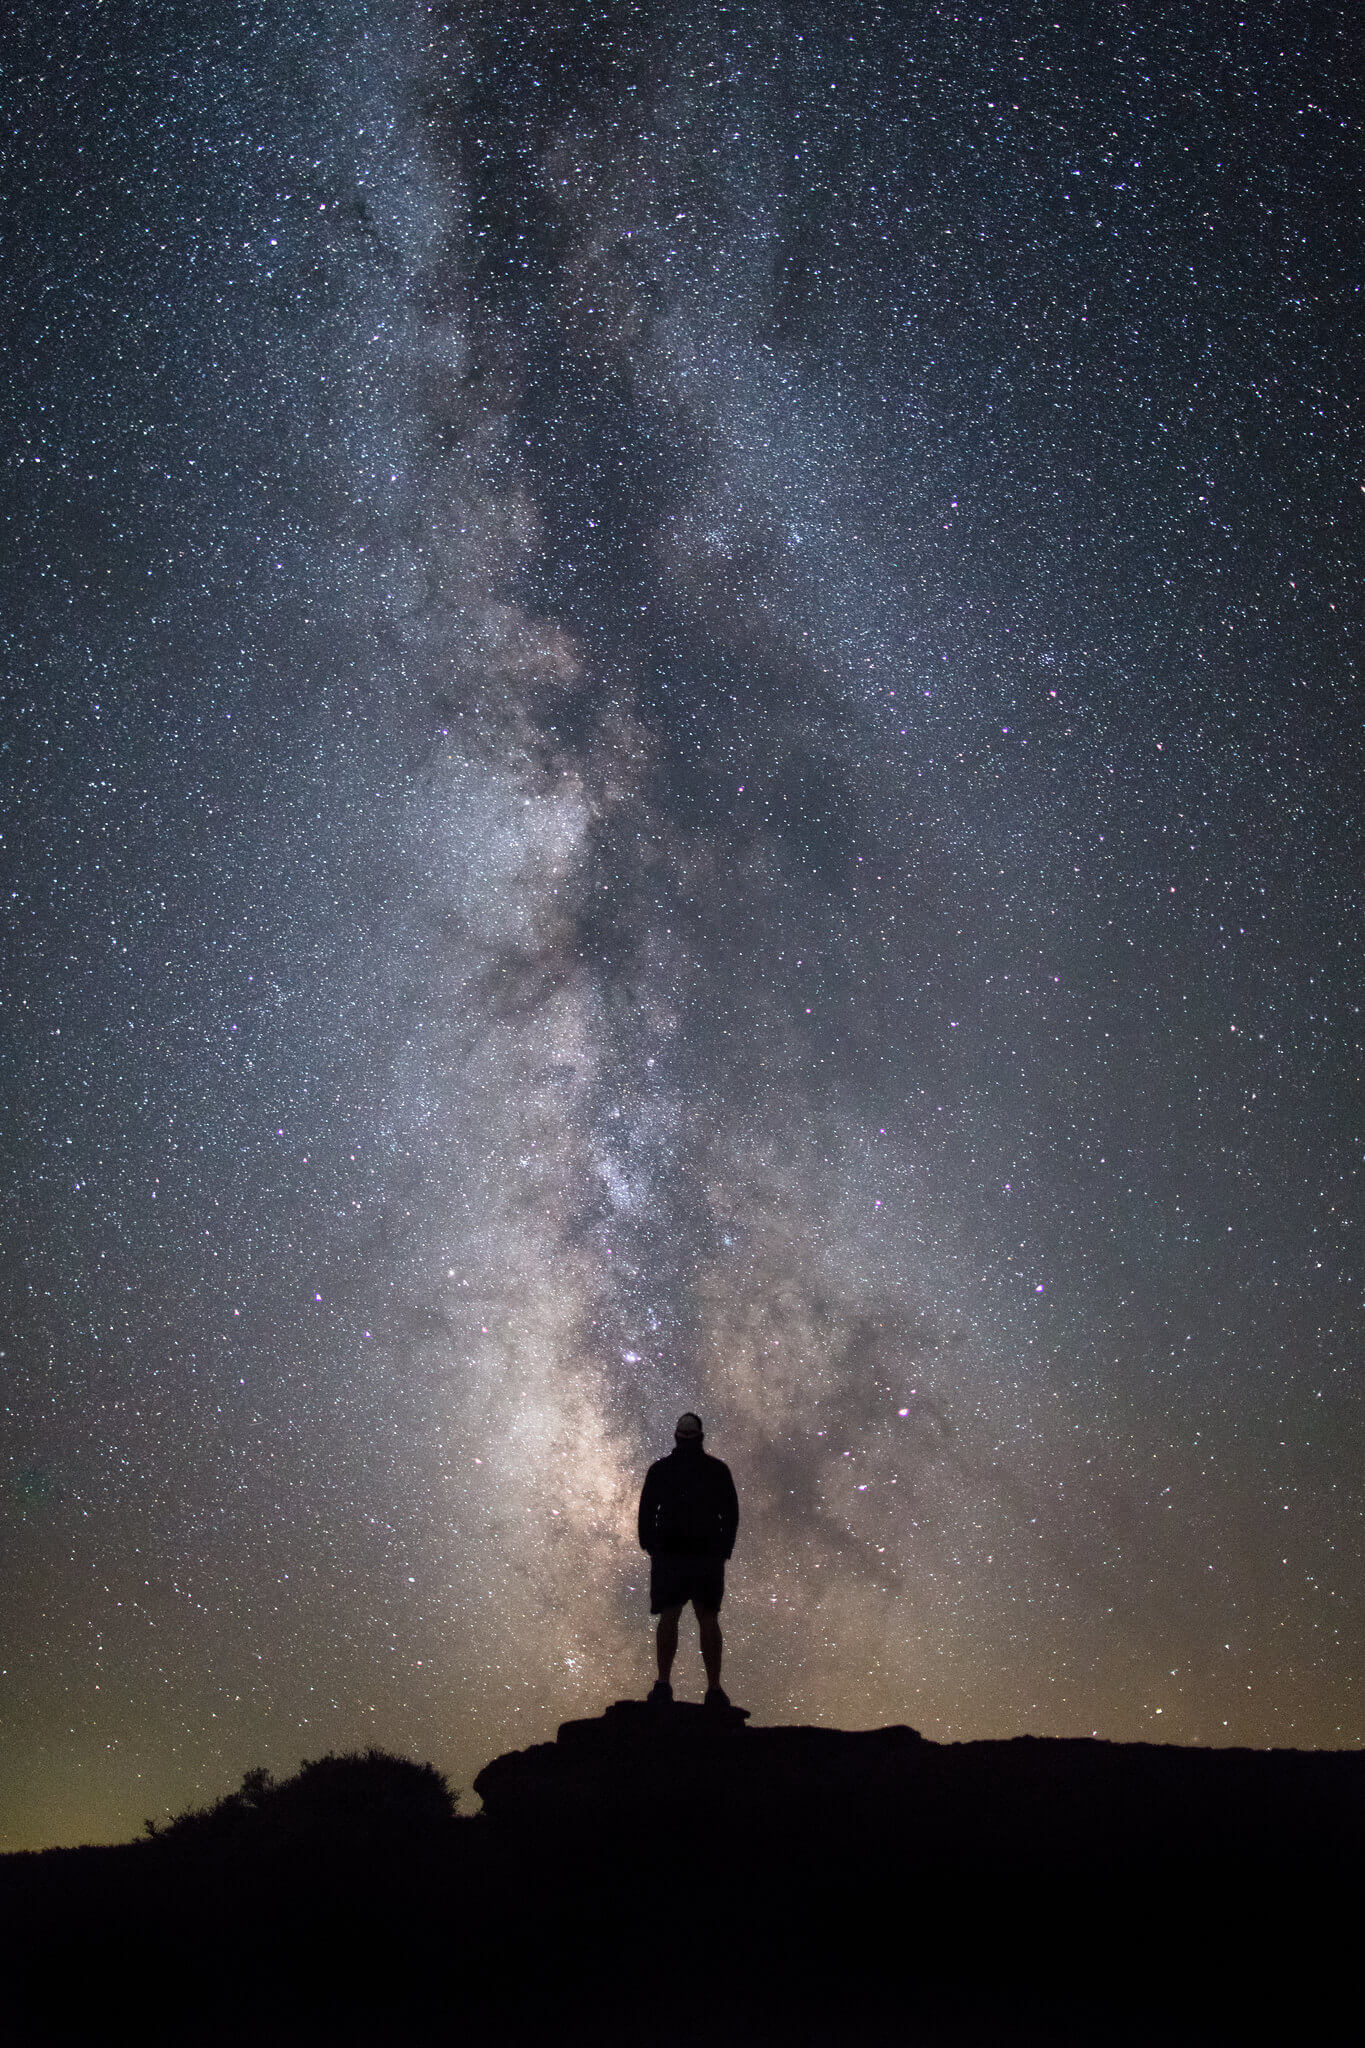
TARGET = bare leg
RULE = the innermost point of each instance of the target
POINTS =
(708, 1622)
(666, 1642)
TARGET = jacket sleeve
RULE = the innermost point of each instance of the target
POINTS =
(729, 1512)
(649, 1510)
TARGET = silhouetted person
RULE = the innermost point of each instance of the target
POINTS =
(689, 1513)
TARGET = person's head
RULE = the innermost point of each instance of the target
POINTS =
(689, 1432)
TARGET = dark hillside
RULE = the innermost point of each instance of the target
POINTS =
(683, 1879)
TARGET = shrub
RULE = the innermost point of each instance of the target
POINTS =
(360, 1799)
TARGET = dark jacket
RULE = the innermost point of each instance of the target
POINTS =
(688, 1506)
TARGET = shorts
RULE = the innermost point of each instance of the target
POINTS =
(675, 1579)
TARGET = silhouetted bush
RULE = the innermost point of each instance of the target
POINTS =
(355, 1801)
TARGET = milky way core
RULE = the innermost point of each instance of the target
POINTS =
(681, 733)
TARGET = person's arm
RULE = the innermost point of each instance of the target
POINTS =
(729, 1511)
(649, 1508)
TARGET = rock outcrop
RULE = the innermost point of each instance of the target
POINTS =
(1075, 1803)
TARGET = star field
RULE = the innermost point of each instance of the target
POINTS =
(681, 731)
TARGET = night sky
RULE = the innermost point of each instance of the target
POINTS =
(680, 731)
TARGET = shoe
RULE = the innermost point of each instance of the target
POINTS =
(661, 1694)
(716, 1696)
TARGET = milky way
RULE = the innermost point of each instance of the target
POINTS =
(680, 734)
